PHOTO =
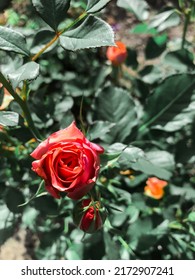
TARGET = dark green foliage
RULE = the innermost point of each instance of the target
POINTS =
(141, 113)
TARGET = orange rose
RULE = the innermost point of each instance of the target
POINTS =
(68, 162)
(155, 187)
(117, 55)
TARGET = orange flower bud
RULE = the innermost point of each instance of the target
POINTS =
(117, 55)
(89, 215)
(155, 187)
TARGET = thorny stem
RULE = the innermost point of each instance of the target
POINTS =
(58, 34)
(24, 106)
(187, 12)
(186, 23)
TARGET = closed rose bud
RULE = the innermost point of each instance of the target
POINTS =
(155, 187)
(89, 215)
(118, 54)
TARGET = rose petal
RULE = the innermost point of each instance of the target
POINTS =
(52, 191)
(69, 133)
(37, 166)
(80, 191)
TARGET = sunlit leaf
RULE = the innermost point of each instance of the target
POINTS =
(138, 7)
(91, 33)
(28, 71)
(8, 118)
(11, 40)
(94, 6)
(165, 20)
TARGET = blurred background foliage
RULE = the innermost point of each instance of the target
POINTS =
(142, 113)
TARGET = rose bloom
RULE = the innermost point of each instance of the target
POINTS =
(89, 215)
(68, 162)
(117, 55)
(155, 187)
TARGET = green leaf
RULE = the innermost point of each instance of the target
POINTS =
(109, 160)
(91, 33)
(142, 28)
(99, 129)
(133, 213)
(111, 247)
(181, 60)
(180, 120)
(154, 49)
(165, 20)
(29, 217)
(149, 239)
(65, 105)
(94, 6)
(162, 159)
(151, 74)
(11, 40)
(145, 166)
(28, 71)
(52, 11)
(116, 106)
(134, 158)
(138, 7)
(8, 118)
(75, 251)
(168, 100)
(13, 199)
(191, 217)
(41, 39)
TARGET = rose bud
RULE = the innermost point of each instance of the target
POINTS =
(89, 215)
(155, 187)
(118, 54)
(67, 162)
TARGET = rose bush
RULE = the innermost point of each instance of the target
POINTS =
(139, 107)
(68, 162)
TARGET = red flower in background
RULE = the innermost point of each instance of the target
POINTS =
(155, 187)
(68, 162)
(118, 54)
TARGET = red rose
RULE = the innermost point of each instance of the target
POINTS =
(117, 55)
(68, 162)
(89, 215)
